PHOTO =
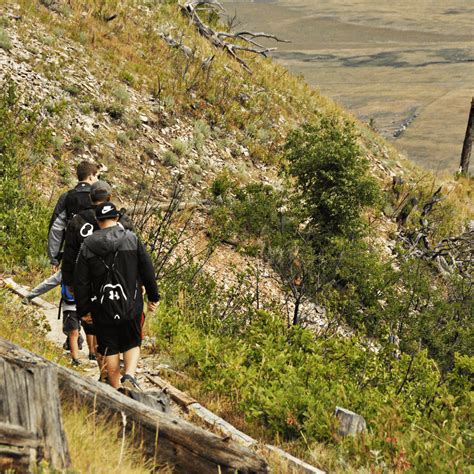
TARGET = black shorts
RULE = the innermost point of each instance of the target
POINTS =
(115, 338)
(70, 322)
(89, 328)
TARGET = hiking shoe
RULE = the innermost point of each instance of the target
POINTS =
(66, 345)
(130, 383)
(103, 378)
(76, 362)
(92, 357)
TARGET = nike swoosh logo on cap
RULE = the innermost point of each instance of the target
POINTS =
(106, 209)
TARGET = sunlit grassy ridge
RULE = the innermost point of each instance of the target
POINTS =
(259, 107)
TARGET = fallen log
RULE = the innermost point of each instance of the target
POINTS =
(169, 440)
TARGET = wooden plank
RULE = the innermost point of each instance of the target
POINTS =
(290, 464)
(14, 435)
(181, 398)
(220, 424)
(15, 459)
(187, 448)
(22, 291)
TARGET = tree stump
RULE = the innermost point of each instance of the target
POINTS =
(31, 427)
(350, 423)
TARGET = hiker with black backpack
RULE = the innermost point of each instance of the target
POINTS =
(110, 270)
(81, 226)
(69, 204)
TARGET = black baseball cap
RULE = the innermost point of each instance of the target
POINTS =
(100, 191)
(106, 210)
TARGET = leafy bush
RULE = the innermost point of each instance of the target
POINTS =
(121, 95)
(332, 176)
(72, 89)
(289, 382)
(127, 77)
(116, 110)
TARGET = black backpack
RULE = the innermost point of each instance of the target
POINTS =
(116, 302)
(77, 200)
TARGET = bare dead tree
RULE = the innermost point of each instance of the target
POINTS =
(450, 255)
(232, 43)
(164, 227)
(467, 145)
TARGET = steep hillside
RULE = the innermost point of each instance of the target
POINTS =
(296, 273)
(116, 92)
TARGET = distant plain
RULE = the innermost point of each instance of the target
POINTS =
(399, 63)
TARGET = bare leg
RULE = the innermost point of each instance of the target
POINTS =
(73, 338)
(112, 365)
(99, 357)
(131, 358)
(91, 343)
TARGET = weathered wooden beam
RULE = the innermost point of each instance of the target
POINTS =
(467, 145)
(14, 435)
(22, 291)
(170, 440)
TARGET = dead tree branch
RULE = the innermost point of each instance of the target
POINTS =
(176, 44)
(450, 255)
(225, 40)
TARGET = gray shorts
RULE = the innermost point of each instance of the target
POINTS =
(70, 322)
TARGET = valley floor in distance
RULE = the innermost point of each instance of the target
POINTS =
(400, 63)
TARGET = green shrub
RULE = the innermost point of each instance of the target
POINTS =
(116, 110)
(170, 159)
(127, 77)
(332, 176)
(201, 131)
(77, 142)
(123, 138)
(121, 95)
(5, 42)
(180, 148)
(222, 185)
(72, 89)
(289, 382)
(98, 106)
(56, 108)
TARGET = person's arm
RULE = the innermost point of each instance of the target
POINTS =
(60, 207)
(71, 251)
(82, 287)
(45, 286)
(147, 274)
(56, 237)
